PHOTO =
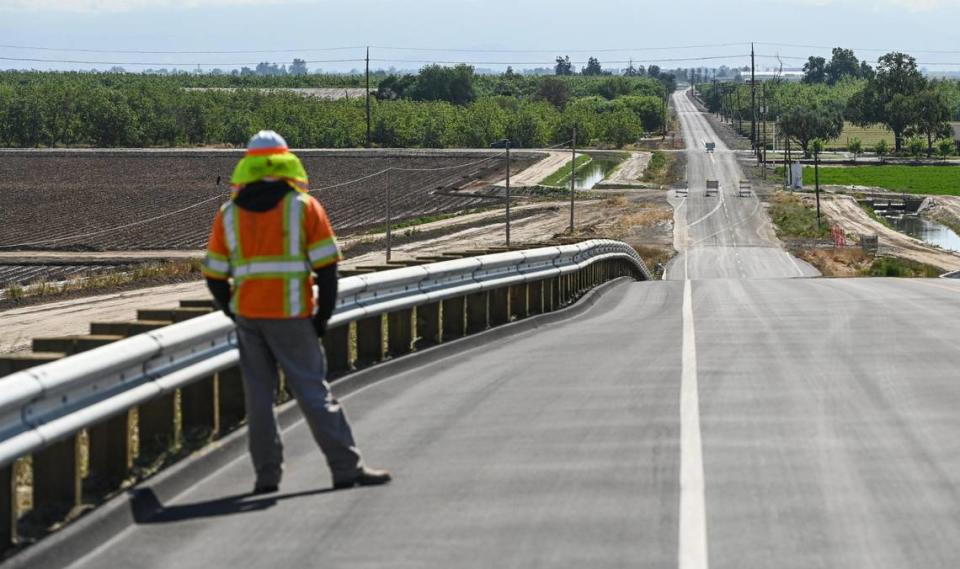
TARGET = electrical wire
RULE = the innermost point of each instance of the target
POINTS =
(175, 52)
(807, 46)
(557, 51)
(164, 63)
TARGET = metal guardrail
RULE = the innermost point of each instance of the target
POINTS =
(47, 403)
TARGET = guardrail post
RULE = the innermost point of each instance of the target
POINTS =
(110, 454)
(231, 407)
(556, 287)
(519, 302)
(478, 312)
(56, 479)
(400, 331)
(370, 340)
(156, 423)
(198, 408)
(429, 328)
(454, 318)
(8, 510)
(499, 306)
(336, 344)
(535, 294)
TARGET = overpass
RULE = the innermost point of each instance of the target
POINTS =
(738, 414)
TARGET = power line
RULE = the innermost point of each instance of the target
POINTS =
(558, 51)
(347, 48)
(545, 62)
(797, 58)
(359, 60)
(165, 63)
(175, 52)
(807, 46)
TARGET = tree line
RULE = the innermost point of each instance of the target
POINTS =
(439, 107)
(894, 94)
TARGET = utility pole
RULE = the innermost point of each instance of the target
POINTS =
(739, 113)
(753, 99)
(508, 191)
(816, 174)
(368, 96)
(389, 240)
(763, 110)
(573, 177)
(716, 96)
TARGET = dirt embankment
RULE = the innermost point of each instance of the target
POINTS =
(630, 172)
(846, 212)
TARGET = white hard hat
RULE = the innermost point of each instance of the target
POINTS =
(266, 142)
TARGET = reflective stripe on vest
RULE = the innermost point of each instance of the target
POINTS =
(291, 266)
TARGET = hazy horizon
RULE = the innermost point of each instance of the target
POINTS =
(684, 33)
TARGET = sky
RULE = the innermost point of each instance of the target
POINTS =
(677, 33)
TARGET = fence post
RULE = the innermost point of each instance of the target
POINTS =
(400, 331)
(56, 478)
(110, 454)
(429, 328)
(478, 313)
(453, 316)
(369, 340)
(336, 345)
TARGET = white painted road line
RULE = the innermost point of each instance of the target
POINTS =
(692, 552)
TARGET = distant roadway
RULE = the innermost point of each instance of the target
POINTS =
(738, 415)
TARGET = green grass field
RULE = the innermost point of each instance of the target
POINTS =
(938, 180)
(869, 136)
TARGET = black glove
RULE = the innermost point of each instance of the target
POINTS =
(319, 326)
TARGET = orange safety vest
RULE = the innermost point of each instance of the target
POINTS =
(270, 255)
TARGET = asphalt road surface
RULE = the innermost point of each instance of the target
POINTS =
(702, 422)
(722, 235)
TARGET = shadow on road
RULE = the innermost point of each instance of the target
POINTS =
(147, 509)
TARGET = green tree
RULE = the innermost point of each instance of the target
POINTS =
(855, 147)
(620, 127)
(881, 149)
(815, 70)
(932, 115)
(842, 64)
(563, 67)
(555, 91)
(916, 146)
(945, 147)
(592, 68)
(807, 120)
(888, 97)
(439, 83)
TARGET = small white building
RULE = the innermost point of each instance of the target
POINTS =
(786, 76)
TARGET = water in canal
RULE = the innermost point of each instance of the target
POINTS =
(925, 230)
(593, 173)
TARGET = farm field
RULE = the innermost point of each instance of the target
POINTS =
(148, 200)
(166, 200)
(937, 180)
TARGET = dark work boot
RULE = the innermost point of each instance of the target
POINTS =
(363, 477)
(265, 489)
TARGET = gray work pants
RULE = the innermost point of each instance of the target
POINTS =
(291, 343)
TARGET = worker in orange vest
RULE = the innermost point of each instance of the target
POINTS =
(274, 241)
